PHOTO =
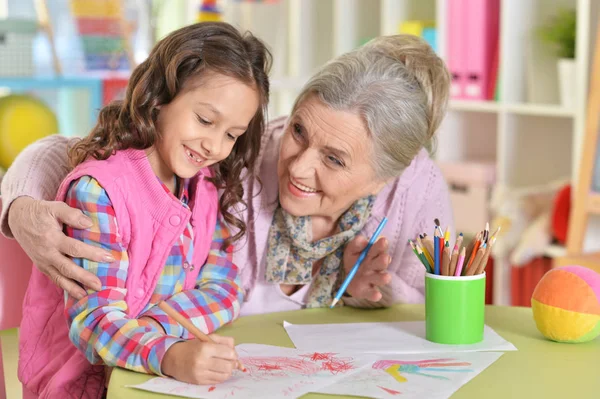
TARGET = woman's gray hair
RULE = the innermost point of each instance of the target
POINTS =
(400, 88)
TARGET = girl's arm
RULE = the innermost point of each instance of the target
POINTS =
(98, 323)
(216, 298)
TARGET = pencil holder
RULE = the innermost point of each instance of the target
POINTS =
(454, 309)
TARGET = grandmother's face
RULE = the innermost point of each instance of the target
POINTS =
(325, 161)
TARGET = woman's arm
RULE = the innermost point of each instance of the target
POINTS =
(36, 172)
(98, 323)
(217, 297)
(35, 221)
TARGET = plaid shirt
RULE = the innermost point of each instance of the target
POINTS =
(99, 325)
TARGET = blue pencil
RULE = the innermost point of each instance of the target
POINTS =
(360, 259)
(436, 250)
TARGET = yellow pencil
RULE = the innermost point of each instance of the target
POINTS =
(427, 250)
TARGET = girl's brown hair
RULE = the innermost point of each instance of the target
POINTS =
(183, 54)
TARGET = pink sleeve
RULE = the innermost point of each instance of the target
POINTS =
(36, 172)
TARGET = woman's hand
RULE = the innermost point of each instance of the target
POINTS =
(38, 228)
(372, 273)
(201, 363)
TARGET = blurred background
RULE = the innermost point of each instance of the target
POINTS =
(511, 147)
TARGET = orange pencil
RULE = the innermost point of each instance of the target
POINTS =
(473, 268)
(185, 323)
(473, 250)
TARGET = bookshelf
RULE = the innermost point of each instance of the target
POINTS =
(530, 142)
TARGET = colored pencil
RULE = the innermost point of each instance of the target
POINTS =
(424, 261)
(428, 248)
(360, 259)
(459, 241)
(412, 245)
(419, 254)
(486, 257)
(436, 252)
(473, 250)
(446, 260)
(486, 232)
(453, 260)
(460, 263)
(472, 268)
(425, 251)
(188, 325)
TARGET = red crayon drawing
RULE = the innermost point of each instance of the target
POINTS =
(390, 391)
(317, 356)
(337, 365)
(280, 365)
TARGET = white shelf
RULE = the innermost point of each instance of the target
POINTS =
(540, 110)
(474, 106)
(545, 110)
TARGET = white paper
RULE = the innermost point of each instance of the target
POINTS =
(382, 338)
(272, 372)
(432, 376)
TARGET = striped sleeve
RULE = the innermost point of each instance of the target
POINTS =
(217, 296)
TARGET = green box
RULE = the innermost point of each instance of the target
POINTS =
(454, 309)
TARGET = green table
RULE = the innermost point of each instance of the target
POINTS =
(539, 369)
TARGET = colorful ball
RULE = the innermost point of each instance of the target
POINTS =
(566, 304)
(23, 120)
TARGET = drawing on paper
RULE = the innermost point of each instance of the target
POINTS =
(424, 368)
(291, 373)
(305, 364)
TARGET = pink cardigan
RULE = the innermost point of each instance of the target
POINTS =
(410, 202)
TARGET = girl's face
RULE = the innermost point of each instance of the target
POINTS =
(201, 125)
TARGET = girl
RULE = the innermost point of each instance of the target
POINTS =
(148, 176)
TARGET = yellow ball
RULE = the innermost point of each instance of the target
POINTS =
(23, 120)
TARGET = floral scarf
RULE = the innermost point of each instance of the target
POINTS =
(291, 252)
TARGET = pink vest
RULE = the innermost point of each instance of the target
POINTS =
(150, 221)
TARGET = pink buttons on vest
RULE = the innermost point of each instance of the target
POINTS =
(188, 266)
(175, 220)
(139, 292)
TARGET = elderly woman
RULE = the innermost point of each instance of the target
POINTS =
(355, 149)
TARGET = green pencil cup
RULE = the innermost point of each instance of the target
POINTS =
(454, 309)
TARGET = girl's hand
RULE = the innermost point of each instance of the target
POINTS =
(372, 273)
(38, 228)
(201, 363)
